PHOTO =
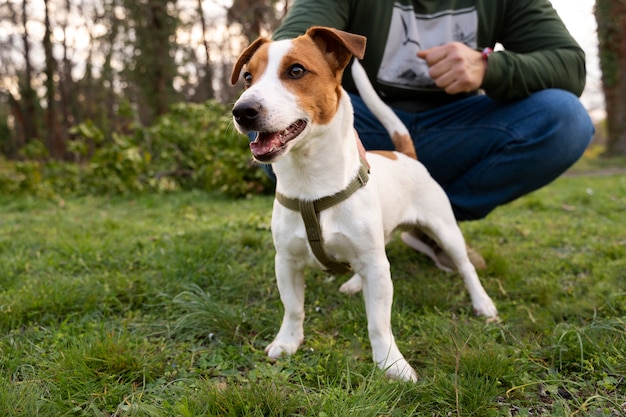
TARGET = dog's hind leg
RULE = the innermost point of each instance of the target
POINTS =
(352, 286)
(451, 240)
(290, 280)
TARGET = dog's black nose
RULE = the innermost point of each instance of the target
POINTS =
(246, 112)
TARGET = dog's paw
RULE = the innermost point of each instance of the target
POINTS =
(484, 307)
(401, 370)
(395, 366)
(279, 347)
(352, 286)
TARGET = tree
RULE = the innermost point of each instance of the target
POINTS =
(114, 63)
(24, 104)
(54, 140)
(152, 65)
(66, 81)
(611, 18)
(204, 89)
(27, 90)
(255, 16)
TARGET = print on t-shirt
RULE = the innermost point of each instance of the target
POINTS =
(410, 32)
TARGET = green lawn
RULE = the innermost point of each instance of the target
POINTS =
(161, 305)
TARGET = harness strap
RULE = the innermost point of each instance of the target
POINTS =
(310, 209)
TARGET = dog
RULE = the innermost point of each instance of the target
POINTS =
(303, 120)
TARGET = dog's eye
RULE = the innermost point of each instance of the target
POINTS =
(296, 71)
(247, 79)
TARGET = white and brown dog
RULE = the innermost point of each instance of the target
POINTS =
(304, 120)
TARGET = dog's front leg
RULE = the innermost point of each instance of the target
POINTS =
(290, 280)
(378, 295)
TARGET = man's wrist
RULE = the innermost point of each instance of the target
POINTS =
(485, 54)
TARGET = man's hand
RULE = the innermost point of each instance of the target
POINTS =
(455, 67)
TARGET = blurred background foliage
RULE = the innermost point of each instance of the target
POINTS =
(120, 96)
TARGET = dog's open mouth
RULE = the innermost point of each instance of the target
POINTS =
(267, 145)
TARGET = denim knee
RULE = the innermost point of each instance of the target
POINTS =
(543, 135)
(569, 127)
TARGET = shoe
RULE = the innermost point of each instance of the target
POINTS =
(418, 240)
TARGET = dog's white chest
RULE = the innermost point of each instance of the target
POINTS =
(290, 236)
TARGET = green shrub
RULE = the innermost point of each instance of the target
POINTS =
(197, 145)
(193, 147)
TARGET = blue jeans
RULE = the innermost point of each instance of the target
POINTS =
(486, 153)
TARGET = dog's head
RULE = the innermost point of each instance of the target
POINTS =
(290, 86)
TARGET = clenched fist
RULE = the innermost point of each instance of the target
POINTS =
(455, 67)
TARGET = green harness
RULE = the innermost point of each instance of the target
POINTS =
(310, 211)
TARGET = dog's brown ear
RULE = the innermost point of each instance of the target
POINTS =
(244, 58)
(342, 45)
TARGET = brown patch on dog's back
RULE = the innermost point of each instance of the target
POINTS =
(387, 154)
(404, 144)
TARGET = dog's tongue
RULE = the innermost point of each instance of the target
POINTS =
(265, 143)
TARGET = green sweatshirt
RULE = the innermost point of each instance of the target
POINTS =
(538, 50)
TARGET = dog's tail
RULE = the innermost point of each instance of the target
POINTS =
(397, 130)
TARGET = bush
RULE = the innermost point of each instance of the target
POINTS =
(193, 146)
(198, 145)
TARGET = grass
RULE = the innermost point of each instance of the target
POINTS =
(161, 305)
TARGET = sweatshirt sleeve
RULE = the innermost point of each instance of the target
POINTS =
(303, 14)
(539, 53)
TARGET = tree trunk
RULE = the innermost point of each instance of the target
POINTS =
(152, 68)
(17, 111)
(66, 82)
(54, 141)
(161, 45)
(29, 95)
(611, 18)
(108, 74)
(205, 85)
